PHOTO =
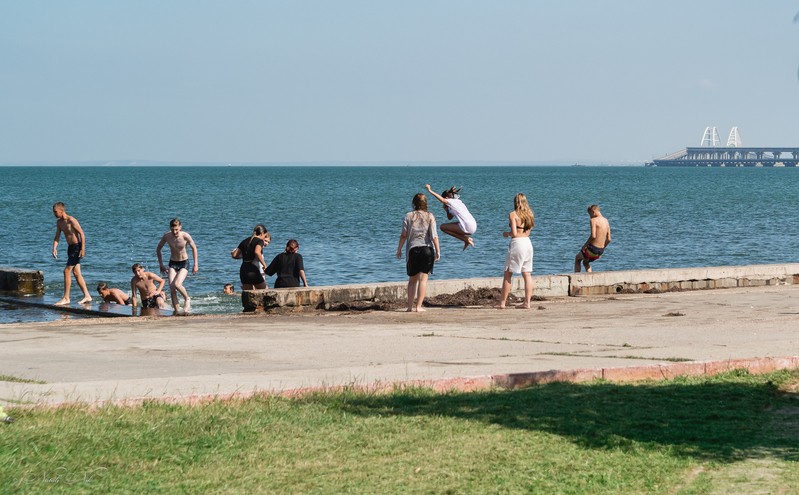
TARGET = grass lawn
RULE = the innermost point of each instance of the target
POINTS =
(732, 433)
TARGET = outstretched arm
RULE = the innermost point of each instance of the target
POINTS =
(435, 194)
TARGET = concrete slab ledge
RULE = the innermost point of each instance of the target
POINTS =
(510, 381)
(21, 281)
(547, 286)
(102, 309)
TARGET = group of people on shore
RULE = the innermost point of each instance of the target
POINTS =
(150, 287)
(420, 239)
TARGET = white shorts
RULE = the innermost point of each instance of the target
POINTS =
(520, 256)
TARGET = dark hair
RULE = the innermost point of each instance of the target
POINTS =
(451, 192)
(135, 266)
(59, 205)
(419, 202)
(174, 222)
(292, 246)
(259, 229)
(101, 286)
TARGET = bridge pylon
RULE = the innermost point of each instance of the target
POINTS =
(734, 141)
(710, 138)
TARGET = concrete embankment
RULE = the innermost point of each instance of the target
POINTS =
(616, 338)
(548, 286)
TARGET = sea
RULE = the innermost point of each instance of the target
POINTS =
(347, 219)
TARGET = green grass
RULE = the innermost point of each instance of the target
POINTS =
(684, 436)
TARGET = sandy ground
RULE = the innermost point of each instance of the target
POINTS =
(111, 359)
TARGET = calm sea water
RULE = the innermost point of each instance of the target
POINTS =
(347, 219)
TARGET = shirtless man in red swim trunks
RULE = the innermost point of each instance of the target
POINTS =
(595, 245)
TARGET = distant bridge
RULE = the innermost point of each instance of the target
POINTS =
(730, 157)
(710, 154)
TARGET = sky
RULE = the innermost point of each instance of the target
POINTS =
(412, 81)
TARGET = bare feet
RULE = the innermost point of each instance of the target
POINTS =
(187, 306)
(523, 306)
(419, 309)
(500, 306)
(469, 242)
(62, 302)
(86, 300)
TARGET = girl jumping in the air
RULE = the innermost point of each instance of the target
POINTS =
(466, 225)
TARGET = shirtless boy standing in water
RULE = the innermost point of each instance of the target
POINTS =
(178, 262)
(76, 241)
(595, 245)
(144, 282)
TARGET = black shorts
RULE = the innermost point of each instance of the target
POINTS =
(73, 254)
(250, 274)
(420, 260)
(179, 265)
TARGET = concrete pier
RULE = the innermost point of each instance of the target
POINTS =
(547, 286)
(21, 281)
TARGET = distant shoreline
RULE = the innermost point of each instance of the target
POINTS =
(149, 163)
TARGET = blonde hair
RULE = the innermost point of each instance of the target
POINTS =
(523, 211)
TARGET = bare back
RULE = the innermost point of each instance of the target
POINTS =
(600, 232)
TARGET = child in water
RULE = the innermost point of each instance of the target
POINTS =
(465, 225)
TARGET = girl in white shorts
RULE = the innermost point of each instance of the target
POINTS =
(520, 251)
(465, 224)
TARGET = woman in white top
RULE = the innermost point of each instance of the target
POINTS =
(520, 250)
(465, 225)
(421, 250)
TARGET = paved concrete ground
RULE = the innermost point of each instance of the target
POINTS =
(122, 358)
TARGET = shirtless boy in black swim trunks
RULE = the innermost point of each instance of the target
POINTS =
(144, 282)
(76, 240)
(112, 294)
(595, 246)
(178, 262)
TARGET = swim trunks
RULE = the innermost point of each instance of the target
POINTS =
(152, 301)
(73, 254)
(420, 260)
(591, 252)
(179, 265)
(520, 256)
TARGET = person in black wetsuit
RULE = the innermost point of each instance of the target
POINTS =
(288, 266)
(250, 252)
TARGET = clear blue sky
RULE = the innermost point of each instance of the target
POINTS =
(370, 81)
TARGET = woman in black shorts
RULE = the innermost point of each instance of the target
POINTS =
(250, 252)
(421, 249)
